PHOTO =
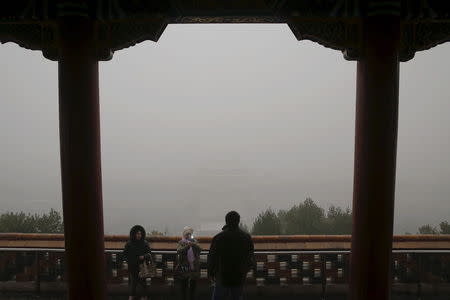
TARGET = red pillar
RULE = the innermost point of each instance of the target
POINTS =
(80, 161)
(375, 160)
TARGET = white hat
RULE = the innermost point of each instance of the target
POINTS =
(187, 230)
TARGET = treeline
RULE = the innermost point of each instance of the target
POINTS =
(51, 222)
(304, 218)
(32, 223)
(444, 228)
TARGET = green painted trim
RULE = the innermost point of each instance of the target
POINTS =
(380, 8)
(73, 14)
(385, 3)
(72, 9)
(72, 4)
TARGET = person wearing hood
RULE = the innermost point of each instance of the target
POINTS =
(188, 263)
(135, 253)
(230, 258)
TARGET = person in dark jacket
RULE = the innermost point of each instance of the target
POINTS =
(230, 259)
(188, 264)
(136, 252)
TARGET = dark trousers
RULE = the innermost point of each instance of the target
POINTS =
(137, 286)
(221, 292)
(187, 288)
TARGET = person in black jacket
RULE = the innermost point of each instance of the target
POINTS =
(230, 259)
(136, 251)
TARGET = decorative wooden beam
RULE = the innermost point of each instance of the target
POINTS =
(32, 24)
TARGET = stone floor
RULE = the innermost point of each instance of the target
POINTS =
(25, 291)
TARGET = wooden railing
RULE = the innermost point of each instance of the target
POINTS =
(270, 242)
(296, 261)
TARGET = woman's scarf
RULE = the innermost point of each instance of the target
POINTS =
(190, 254)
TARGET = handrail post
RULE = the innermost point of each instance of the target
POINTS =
(324, 278)
(419, 273)
(37, 274)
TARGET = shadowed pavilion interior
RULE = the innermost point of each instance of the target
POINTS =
(377, 34)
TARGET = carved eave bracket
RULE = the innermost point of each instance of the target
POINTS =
(118, 24)
(109, 36)
(424, 24)
(338, 34)
(114, 36)
(32, 36)
(420, 36)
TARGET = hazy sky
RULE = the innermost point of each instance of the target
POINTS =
(220, 117)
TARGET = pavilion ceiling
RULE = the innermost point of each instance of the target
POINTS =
(33, 24)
